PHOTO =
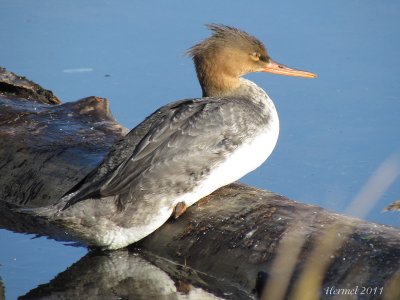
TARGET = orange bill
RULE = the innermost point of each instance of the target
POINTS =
(277, 68)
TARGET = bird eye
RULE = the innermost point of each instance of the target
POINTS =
(255, 56)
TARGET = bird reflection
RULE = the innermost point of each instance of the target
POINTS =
(116, 275)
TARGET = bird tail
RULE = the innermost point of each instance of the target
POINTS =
(45, 212)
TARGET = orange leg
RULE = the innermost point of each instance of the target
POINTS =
(179, 209)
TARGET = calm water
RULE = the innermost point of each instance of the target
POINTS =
(335, 130)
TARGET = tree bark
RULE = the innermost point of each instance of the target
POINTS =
(253, 240)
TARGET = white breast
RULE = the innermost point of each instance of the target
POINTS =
(245, 159)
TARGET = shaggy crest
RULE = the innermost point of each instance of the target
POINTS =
(227, 36)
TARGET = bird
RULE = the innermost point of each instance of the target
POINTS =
(182, 152)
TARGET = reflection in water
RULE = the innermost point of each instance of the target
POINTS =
(116, 275)
(124, 274)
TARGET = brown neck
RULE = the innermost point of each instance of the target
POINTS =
(216, 80)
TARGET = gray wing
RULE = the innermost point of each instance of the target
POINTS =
(178, 149)
(119, 152)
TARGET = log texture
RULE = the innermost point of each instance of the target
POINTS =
(254, 241)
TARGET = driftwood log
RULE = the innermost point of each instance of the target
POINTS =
(238, 242)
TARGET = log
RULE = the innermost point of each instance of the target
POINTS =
(237, 242)
(46, 149)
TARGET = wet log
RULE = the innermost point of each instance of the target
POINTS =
(253, 240)
(46, 149)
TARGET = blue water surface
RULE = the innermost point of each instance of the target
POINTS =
(336, 130)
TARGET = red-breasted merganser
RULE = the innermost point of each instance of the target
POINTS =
(182, 152)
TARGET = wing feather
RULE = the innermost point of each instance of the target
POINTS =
(179, 148)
